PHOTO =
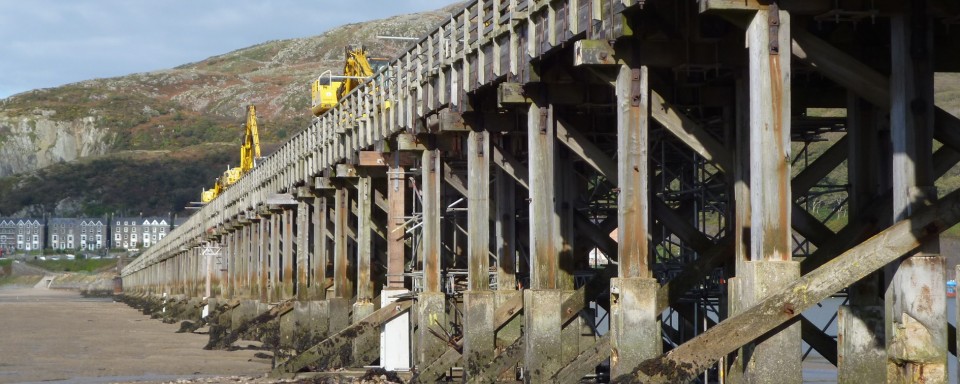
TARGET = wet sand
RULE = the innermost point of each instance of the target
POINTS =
(51, 335)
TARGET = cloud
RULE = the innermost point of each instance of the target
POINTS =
(54, 42)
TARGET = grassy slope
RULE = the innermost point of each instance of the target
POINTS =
(151, 182)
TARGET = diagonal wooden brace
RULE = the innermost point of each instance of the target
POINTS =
(331, 352)
(785, 304)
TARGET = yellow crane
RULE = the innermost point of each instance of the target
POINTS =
(329, 89)
(249, 155)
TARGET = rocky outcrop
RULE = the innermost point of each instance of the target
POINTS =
(44, 132)
(34, 142)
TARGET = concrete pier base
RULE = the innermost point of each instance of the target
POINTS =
(395, 335)
(289, 322)
(192, 309)
(734, 361)
(339, 314)
(248, 309)
(303, 327)
(431, 314)
(916, 318)
(861, 357)
(509, 332)
(775, 359)
(314, 324)
(366, 347)
(479, 338)
(634, 323)
(543, 333)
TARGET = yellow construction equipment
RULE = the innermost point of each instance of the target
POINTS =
(209, 194)
(329, 89)
(249, 155)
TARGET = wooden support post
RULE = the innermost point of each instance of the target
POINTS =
(243, 250)
(341, 262)
(741, 221)
(321, 249)
(479, 301)
(229, 256)
(287, 258)
(916, 320)
(396, 190)
(366, 346)
(541, 139)
(303, 246)
(776, 359)
(430, 192)
(264, 256)
(395, 334)
(634, 319)
(224, 268)
(505, 235)
(566, 187)
(432, 301)
(505, 230)
(364, 240)
(274, 284)
(478, 213)
(860, 347)
(342, 288)
(542, 301)
(253, 242)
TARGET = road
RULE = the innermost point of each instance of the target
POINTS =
(52, 335)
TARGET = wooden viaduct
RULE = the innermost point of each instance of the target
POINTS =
(541, 186)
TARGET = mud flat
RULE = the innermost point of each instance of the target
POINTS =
(56, 335)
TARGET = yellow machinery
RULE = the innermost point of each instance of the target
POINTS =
(209, 194)
(328, 89)
(249, 154)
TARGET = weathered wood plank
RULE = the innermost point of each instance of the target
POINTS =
(364, 239)
(396, 192)
(341, 285)
(585, 363)
(689, 132)
(431, 219)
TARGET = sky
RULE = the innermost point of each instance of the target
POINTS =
(47, 43)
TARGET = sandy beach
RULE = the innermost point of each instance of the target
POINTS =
(58, 336)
